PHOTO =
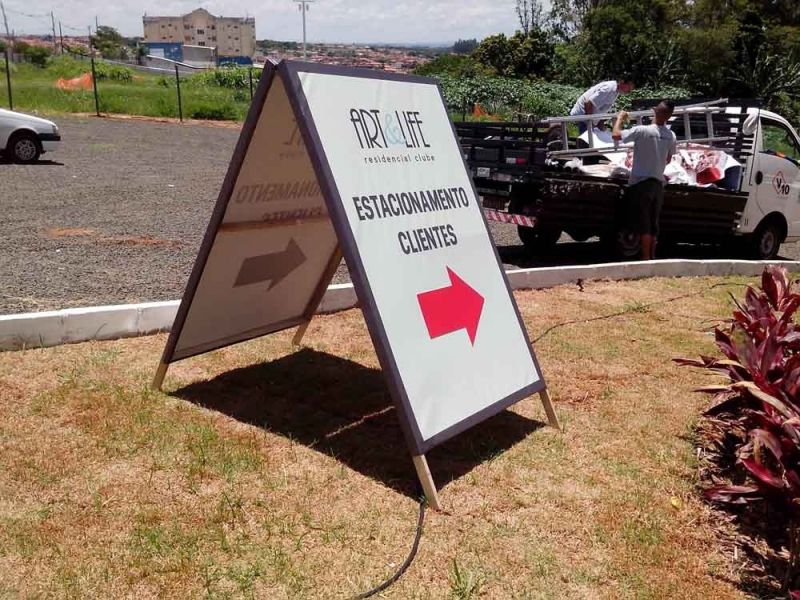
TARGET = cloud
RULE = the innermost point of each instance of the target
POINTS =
(411, 21)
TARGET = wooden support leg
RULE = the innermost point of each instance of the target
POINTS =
(161, 372)
(301, 331)
(428, 486)
(319, 292)
(548, 408)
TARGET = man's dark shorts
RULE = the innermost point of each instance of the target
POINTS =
(644, 201)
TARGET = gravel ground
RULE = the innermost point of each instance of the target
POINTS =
(118, 213)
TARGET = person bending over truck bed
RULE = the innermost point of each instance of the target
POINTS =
(653, 147)
(599, 99)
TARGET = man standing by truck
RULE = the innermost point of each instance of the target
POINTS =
(599, 99)
(653, 147)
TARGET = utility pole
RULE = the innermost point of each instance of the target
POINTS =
(5, 20)
(94, 75)
(55, 39)
(5, 23)
(303, 6)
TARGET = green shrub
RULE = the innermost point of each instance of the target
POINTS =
(241, 96)
(502, 96)
(213, 112)
(226, 77)
(112, 72)
(453, 64)
(550, 99)
(38, 55)
(69, 68)
(650, 93)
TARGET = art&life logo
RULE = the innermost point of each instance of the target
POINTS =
(390, 130)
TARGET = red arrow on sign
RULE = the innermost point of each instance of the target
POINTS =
(451, 308)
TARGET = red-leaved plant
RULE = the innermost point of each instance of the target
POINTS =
(759, 406)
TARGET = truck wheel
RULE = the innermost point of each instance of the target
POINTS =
(766, 241)
(23, 147)
(538, 240)
(624, 244)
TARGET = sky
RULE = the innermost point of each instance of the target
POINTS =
(399, 21)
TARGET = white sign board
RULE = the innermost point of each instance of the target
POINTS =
(414, 234)
(380, 173)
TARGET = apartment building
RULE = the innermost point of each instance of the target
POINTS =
(231, 37)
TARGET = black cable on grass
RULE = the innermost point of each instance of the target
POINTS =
(422, 502)
(638, 308)
(407, 563)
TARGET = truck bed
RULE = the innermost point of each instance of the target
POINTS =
(510, 171)
(592, 206)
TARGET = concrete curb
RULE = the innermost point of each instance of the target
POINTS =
(52, 328)
(533, 279)
(72, 325)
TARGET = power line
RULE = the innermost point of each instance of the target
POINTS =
(76, 29)
(29, 15)
(46, 20)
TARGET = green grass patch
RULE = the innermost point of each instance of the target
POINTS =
(123, 90)
(269, 473)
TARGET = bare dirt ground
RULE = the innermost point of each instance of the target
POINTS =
(118, 213)
(265, 471)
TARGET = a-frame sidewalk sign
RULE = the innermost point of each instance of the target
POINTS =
(334, 161)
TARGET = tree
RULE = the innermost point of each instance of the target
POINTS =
(629, 39)
(38, 55)
(494, 52)
(567, 16)
(521, 55)
(110, 43)
(457, 65)
(708, 54)
(465, 46)
(530, 15)
(786, 12)
(141, 54)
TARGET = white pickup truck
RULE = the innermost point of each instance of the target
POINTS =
(24, 138)
(520, 183)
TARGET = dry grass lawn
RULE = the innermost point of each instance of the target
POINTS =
(271, 473)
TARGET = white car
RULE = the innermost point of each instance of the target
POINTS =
(24, 138)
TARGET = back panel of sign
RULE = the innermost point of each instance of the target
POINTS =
(272, 247)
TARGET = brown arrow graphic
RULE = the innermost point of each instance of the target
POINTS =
(270, 267)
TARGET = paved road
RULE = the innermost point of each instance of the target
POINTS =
(117, 216)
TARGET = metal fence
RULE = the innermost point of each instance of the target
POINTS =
(7, 55)
(160, 88)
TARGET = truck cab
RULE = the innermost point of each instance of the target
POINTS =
(772, 183)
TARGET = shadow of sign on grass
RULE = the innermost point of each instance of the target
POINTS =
(343, 409)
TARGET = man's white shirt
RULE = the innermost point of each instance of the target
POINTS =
(602, 96)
